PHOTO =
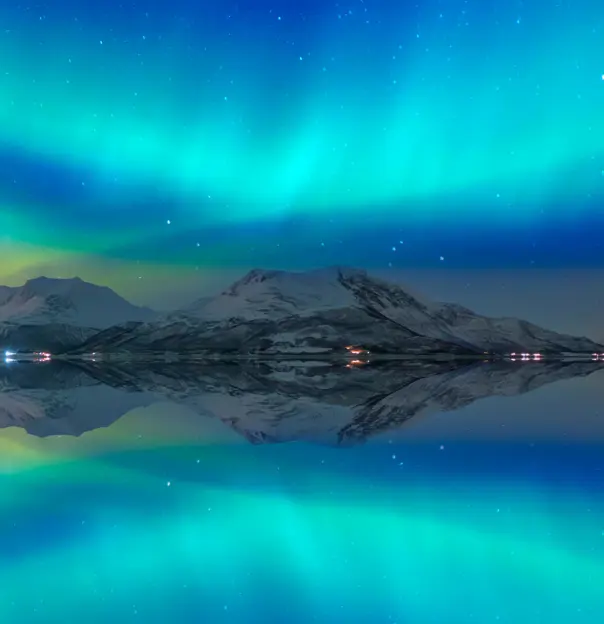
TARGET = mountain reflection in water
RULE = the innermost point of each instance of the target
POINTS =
(266, 402)
(464, 493)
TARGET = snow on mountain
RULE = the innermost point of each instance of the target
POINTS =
(320, 311)
(191, 309)
(508, 334)
(73, 302)
(277, 294)
(5, 293)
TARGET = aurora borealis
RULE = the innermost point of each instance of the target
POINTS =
(165, 137)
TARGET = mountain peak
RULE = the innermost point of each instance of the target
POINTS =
(257, 275)
(57, 285)
(265, 293)
(72, 301)
(43, 279)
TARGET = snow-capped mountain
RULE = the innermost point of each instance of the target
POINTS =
(54, 314)
(269, 403)
(272, 295)
(73, 301)
(279, 312)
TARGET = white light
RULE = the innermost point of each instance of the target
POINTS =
(9, 353)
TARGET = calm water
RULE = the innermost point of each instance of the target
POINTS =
(410, 493)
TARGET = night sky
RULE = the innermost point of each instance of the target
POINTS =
(168, 146)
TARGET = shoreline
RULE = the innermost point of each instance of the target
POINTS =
(175, 358)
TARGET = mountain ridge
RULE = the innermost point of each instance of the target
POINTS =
(57, 313)
(323, 310)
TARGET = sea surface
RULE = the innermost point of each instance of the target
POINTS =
(301, 492)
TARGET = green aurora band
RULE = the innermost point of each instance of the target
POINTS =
(473, 106)
(136, 138)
